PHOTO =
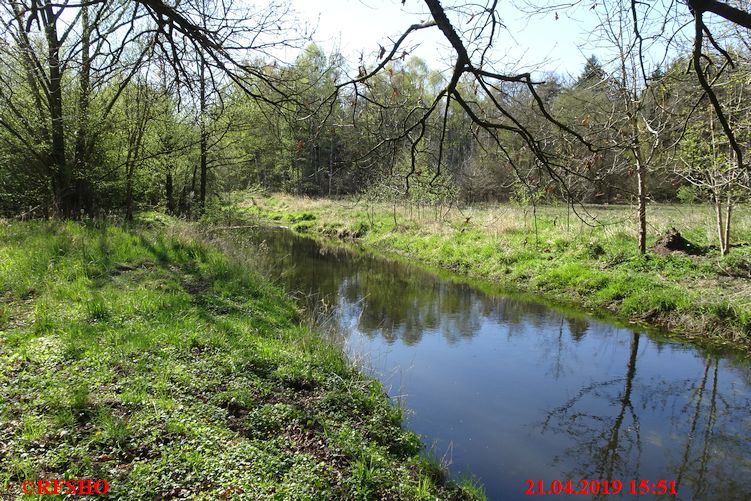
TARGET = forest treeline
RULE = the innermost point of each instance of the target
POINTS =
(88, 128)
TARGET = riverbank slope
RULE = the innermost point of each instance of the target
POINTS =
(153, 361)
(556, 256)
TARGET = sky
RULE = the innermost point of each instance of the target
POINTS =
(537, 43)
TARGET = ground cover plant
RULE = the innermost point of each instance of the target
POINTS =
(154, 361)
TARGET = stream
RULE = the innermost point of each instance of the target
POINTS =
(511, 390)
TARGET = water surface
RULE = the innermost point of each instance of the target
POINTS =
(511, 390)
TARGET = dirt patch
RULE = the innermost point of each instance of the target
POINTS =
(121, 268)
(316, 443)
(196, 287)
(672, 242)
(741, 269)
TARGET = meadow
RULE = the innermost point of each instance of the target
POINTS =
(586, 256)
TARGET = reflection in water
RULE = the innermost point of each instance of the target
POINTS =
(513, 390)
(605, 447)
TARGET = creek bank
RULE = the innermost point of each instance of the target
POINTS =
(152, 360)
(697, 298)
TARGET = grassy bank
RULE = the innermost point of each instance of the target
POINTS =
(556, 256)
(154, 362)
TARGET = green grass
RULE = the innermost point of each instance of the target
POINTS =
(151, 360)
(592, 264)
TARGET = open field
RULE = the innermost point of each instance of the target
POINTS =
(593, 264)
(153, 361)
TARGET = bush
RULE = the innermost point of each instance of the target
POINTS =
(688, 194)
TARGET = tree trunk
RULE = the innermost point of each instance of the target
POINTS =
(129, 196)
(728, 212)
(135, 143)
(129, 170)
(204, 140)
(170, 192)
(83, 96)
(83, 197)
(331, 163)
(63, 177)
(642, 196)
(720, 223)
(204, 172)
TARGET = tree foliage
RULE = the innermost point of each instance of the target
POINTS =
(115, 105)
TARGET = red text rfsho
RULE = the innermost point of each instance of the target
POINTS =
(80, 487)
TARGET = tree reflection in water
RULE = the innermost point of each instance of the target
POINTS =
(605, 449)
(609, 444)
(479, 365)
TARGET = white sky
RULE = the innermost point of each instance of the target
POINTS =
(541, 43)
